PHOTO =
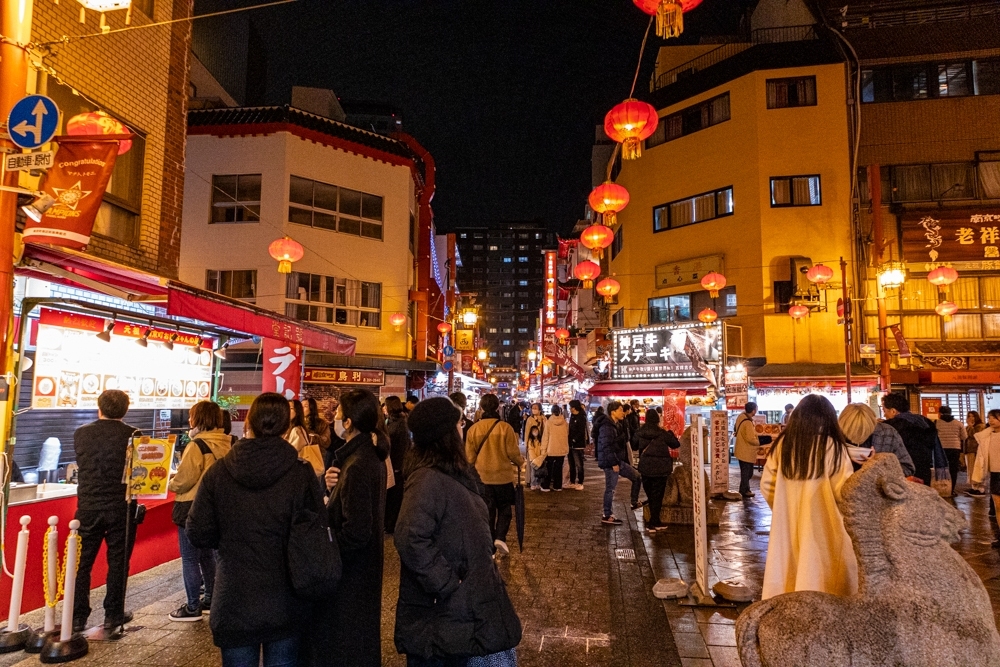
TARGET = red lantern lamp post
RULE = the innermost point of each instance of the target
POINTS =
(96, 123)
(285, 251)
(397, 320)
(608, 199)
(608, 288)
(946, 309)
(587, 271)
(597, 238)
(713, 282)
(798, 312)
(669, 14)
(942, 276)
(630, 123)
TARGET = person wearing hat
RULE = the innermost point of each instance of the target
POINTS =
(862, 429)
(952, 433)
(445, 547)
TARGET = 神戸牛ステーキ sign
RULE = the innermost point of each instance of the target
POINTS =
(668, 352)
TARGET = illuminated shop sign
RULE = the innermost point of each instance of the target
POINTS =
(968, 240)
(344, 376)
(668, 352)
(550, 287)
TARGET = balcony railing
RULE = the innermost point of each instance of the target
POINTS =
(895, 14)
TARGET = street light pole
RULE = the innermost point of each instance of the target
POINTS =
(875, 188)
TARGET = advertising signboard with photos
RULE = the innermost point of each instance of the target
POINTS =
(672, 352)
(73, 366)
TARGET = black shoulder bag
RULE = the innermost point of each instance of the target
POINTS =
(314, 565)
(181, 507)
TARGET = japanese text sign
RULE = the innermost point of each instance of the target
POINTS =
(676, 351)
(282, 368)
(149, 466)
(687, 271)
(346, 376)
(970, 239)
(550, 287)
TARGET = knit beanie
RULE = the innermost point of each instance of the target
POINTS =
(431, 419)
(857, 421)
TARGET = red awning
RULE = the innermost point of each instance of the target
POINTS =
(635, 388)
(186, 301)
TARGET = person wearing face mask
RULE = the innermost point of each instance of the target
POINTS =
(346, 629)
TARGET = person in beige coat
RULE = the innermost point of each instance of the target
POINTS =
(492, 446)
(746, 446)
(555, 448)
(809, 548)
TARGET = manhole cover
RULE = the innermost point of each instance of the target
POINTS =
(625, 554)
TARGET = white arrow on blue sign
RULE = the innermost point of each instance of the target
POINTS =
(449, 350)
(33, 121)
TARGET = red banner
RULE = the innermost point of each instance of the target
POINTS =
(77, 183)
(282, 368)
(904, 347)
(674, 406)
(560, 358)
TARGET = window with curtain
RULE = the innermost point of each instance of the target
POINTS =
(991, 325)
(990, 286)
(911, 183)
(699, 208)
(989, 178)
(953, 181)
(926, 327)
(692, 119)
(919, 295)
(794, 92)
(965, 293)
(963, 327)
(795, 191)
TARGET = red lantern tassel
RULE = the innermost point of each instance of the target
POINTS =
(587, 284)
(669, 19)
(610, 219)
(631, 148)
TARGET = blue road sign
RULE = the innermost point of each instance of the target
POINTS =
(33, 121)
(448, 365)
(448, 350)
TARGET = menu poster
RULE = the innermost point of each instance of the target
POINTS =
(149, 466)
(73, 366)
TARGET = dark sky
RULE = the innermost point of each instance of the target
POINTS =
(503, 93)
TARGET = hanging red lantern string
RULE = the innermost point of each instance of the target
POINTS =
(713, 282)
(608, 199)
(946, 309)
(587, 271)
(669, 14)
(608, 288)
(942, 276)
(397, 320)
(285, 251)
(444, 328)
(597, 238)
(820, 274)
(562, 335)
(630, 123)
(98, 122)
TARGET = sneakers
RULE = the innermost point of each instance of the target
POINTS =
(544, 490)
(125, 621)
(636, 505)
(976, 492)
(501, 546)
(557, 489)
(611, 520)
(578, 487)
(206, 605)
(185, 614)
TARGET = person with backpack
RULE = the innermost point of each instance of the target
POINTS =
(209, 443)
(918, 432)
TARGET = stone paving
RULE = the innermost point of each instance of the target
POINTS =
(581, 601)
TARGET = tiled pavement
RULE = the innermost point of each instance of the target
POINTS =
(579, 603)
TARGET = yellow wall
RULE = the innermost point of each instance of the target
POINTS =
(757, 240)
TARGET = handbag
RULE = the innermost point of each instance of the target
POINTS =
(314, 566)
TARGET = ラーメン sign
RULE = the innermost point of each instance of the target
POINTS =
(73, 366)
(668, 352)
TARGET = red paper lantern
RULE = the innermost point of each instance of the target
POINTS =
(942, 276)
(708, 316)
(608, 199)
(798, 312)
(820, 274)
(946, 309)
(608, 288)
(713, 282)
(444, 328)
(597, 238)
(630, 123)
(562, 335)
(587, 271)
(285, 251)
(98, 122)
(397, 320)
(669, 14)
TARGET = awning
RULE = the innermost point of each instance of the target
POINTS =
(630, 388)
(810, 376)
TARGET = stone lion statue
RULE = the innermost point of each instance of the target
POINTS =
(919, 604)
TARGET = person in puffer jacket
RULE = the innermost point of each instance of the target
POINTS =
(612, 457)
(655, 465)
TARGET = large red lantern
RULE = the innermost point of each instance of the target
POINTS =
(444, 328)
(285, 251)
(608, 199)
(587, 271)
(820, 274)
(708, 316)
(669, 14)
(946, 309)
(597, 238)
(630, 123)
(562, 335)
(798, 312)
(98, 122)
(713, 282)
(397, 320)
(942, 276)
(608, 288)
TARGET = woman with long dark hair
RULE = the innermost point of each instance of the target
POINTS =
(809, 549)
(316, 425)
(399, 443)
(445, 550)
(346, 628)
(973, 425)
(299, 438)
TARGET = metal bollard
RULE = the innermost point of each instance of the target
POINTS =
(51, 590)
(70, 645)
(16, 634)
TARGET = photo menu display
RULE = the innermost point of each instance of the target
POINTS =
(73, 366)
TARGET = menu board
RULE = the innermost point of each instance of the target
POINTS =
(73, 366)
(149, 466)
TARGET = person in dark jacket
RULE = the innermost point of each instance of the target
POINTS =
(578, 438)
(655, 464)
(918, 432)
(632, 423)
(462, 402)
(612, 458)
(446, 552)
(102, 509)
(346, 630)
(399, 443)
(244, 509)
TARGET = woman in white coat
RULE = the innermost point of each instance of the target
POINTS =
(809, 549)
(986, 472)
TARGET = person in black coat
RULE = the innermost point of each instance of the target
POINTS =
(655, 464)
(399, 444)
(577, 443)
(453, 604)
(346, 629)
(244, 509)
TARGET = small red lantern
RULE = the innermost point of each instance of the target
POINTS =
(587, 271)
(713, 282)
(708, 316)
(669, 14)
(562, 335)
(608, 288)
(630, 123)
(798, 312)
(946, 309)
(397, 320)
(942, 276)
(98, 122)
(285, 251)
(820, 274)
(608, 199)
(597, 238)
(444, 328)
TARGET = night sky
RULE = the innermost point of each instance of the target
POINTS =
(505, 94)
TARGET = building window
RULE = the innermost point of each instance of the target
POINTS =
(463, 236)
(618, 319)
(693, 119)
(522, 259)
(477, 269)
(683, 212)
(506, 355)
(316, 204)
(235, 198)
(523, 330)
(506, 342)
(507, 330)
(240, 284)
(616, 245)
(538, 237)
(493, 330)
(508, 260)
(795, 191)
(478, 246)
(493, 355)
(522, 283)
(316, 298)
(921, 81)
(118, 216)
(681, 307)
(795, 92)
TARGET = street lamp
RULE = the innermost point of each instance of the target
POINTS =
(532, 355)
(482, 355)
(892, 275)
(470, 317)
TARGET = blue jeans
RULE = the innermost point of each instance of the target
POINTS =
(283, 653)
(611, 481)
(198, 567)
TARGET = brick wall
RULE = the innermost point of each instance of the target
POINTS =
(139, 76)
